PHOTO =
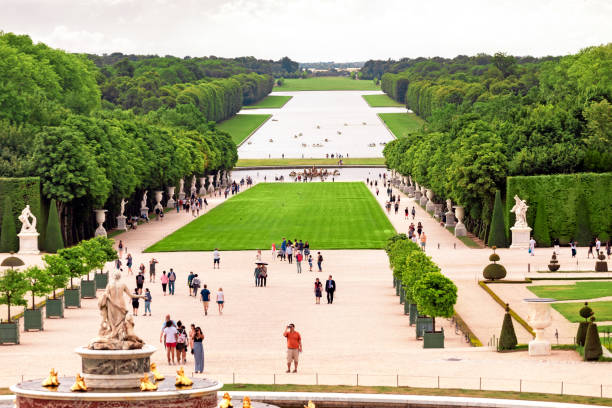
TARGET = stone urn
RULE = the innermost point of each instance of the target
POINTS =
(423, 200)
(100, 218)
(211, 186)
(539, 318)
(429, 207)
(460, 230)
(158, 197)
(202, 186)
(170, 203)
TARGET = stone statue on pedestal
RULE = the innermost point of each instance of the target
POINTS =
(26, 224)
(143, 203)
(521, 232)
(28, 237)
(520, 211)
(123, 203)
(193, 188)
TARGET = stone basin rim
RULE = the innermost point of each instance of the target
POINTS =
(146, 350)
(539, 300)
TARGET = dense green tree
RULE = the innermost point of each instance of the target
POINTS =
(39, 282)
(435, 296)
(13, 287)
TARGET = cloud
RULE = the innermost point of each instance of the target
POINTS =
(86, 41)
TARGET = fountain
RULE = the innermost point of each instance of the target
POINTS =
(539, 318)
(116, 366)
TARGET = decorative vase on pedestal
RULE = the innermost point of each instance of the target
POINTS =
(460, 230)
(423, 200)
(211, 186)
(429, 207)
(158, 197)
(100, 218)
(202, 186)
(539, 318)
(170, 203)
(450, 215)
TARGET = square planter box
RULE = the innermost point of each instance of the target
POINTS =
(412, 309)
(433, 339)
(33, 319)
(101, 280)
(397, 288)
(54, 307)
(423, 324)
(88, 289)
(9, 332)
(72, 297)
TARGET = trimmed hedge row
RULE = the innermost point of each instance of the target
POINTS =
(575, 206)
(20, 192)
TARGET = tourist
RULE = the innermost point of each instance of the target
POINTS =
(310, 263)
(220, 300)
(195, 284)
(148, 299)
(136, 302)
(198, 350)
(171, 281)
(216, 259)
(152, 263)
(294, 347)
(189, 281)
(415, 238)
(419, 228)
(283, 249)
(263, 275)
(118, 264)
(423, 240)
(257, 273)
(413, 211)
(258, 256)
(140, 282)
(120, 248)
(396, 207)
(532, 244)
(597, 245)
(298, 261)
(290, 253)
(318, 291)
(142, 268)
(406, 213)
(273, 250)
(181, 343)
(330, 288)
(128, 263)
(556, 245)
(388, 207)
(319, 261)
(590, 253)
(164, 282)
(169, 336)
(205, 297)
(573, 247)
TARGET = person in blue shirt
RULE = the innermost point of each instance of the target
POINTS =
(205, 296)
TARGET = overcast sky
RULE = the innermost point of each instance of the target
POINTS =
(313, 30)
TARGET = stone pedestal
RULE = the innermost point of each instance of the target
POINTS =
(410, 190)
(450, 219)
(417, 196)
(437, 209)
(520, 237)
(121, 224)
(460, 230)
(423, 200)
(28, 243)
(539, 318)
(100, 218)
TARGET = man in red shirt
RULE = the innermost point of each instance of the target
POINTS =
(294, 347)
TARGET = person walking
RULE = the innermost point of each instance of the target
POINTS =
(216, 259)
(171, 281)
(263, 276)
(205, 297)
(164, 282)
(406, 213)
(128, 263)
(142, 268)
(590, 253)
(195, 285)
(257, 274)
(152, 263)
(273, 250)
(423, 240)
(136, 302)
(319, 261)
(532, 244)
(290, 253)
(120, 248)
(169, 336)
(189, 280)
(310, 263)
(147, 300)
(140, 282)
(330, 288)
(298, 261)
(198, 350)
(318, 291)
(181, 343)
(573, 247)
(413, 212)
(294, 347)
(220, 300)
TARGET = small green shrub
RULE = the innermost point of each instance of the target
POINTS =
(494, 271)
(507, 338)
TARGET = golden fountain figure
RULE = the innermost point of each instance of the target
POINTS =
(181, 378)
(146, 384)
(51, 380)
(156, 374)
(246, 402)
(310, 405)
(227, 401)
(79, 384)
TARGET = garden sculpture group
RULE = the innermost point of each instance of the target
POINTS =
(28, 236)
(521, 232)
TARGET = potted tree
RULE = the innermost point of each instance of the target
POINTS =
(417, 264)
(13, 287)
(92, 255)
(435, 295)
(74, 258)
(39, 284)
(57, 269)
(109, 254)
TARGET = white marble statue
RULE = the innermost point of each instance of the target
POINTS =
(520, 211)
(181, 186)
(193, 185)
(123, 203)
(449, 204)
(26, 224)
(143, 203)
(117, 327)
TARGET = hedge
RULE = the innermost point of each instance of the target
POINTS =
(21, 192)
(567, 200)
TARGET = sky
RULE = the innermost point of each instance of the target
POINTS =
(313, 30)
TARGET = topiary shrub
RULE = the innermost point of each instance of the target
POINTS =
(507, 338)
(585, 312)
(583, 233)
(497, 233)
(53, 238)
(592, 344)
(8, 234)
(541, 232)
(601, 265)
(494, 271)
(554, 264)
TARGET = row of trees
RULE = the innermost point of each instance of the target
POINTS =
(489, 118)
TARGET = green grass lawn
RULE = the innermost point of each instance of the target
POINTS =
(579, 290)
(270, 102)
(380, 101)
(402, 124)
(327, 215)
(242, 126)
(368, 161)
(603, 310)
(326, 84)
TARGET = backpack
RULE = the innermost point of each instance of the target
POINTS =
(182, 337)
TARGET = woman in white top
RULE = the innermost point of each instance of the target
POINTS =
(220, 300)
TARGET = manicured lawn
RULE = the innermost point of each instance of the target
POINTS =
(308, 162)
(380, 101)
(402, 124)
(603, 310)
(326, 84)
(579, 290)
(242, 126)
(270, 102)
(327, 215)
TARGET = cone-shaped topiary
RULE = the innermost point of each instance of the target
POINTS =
(8, 234)
(585, 313)
(494, 271)
(540, 228)
(554, 264)
(592, 344)
(507, 338)
(497, 233)
(53, 239)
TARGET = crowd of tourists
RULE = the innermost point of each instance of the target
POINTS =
(178, 341)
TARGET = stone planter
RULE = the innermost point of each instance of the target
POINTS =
(101, 280)
(33, 319)
(460, 230)
(423, 324)
(170, 203)
(202, 191)
(9, 332)
(100, 218)
(54, 307)
(433, 339)
(412, 310)
(88, 289)
(72, 297)
(539, 318)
